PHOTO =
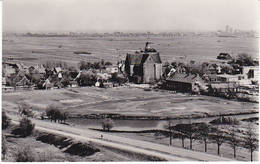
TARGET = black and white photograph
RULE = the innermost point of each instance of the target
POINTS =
(130, 80)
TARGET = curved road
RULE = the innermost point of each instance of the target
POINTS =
(122, 143)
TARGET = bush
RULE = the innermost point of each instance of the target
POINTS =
(225, 120)
(25, 128)
(44, 157)
(24, 155)
(107, 124)
(5, 120)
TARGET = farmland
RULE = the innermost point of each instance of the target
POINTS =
(37, 50)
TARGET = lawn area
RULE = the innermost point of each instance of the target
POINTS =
(125, 101)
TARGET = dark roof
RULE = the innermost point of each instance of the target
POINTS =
(37, 76)
(139, 58)
(23, 81)
(20, 79)
(184, 78)
(156, 58)
(74, 74)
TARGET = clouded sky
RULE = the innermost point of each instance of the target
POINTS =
(129, 15)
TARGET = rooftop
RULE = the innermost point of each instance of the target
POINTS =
(185, 78)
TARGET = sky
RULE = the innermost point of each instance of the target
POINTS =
(129, 15)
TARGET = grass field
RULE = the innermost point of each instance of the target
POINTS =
(124, 100)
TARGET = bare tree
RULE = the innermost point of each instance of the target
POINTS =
(168, 126)
(204, 130)
(218, 137)
(188, 130)
(233, 141)
(251, 141)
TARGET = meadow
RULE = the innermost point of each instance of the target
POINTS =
(37, 50)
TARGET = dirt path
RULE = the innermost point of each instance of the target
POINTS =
(122, 143)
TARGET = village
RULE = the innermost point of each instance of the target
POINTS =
(227, 77)
(141, 98)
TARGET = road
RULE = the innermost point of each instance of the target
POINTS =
(168, 153)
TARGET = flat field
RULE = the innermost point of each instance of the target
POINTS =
(124, 100)
(37, 50)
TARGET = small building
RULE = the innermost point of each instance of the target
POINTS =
(44, 84)
(251, 72)
(224, 56)
(188, 83)
(99, 83)
(112, 69)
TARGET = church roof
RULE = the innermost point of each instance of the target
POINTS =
(139, 58)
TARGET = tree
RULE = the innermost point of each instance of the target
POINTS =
(245, 60)
(5, 120)
(50, 111)
(72, 69)
(118, 78)
(64, 116)
(204, 130)
(55, 113)
(251, 141)
(217, 137)
(25, 128)
(83, 65)
(87, 78)
(233, 141)
(107, 124)
(168, 125)
(25, 109)
(188, 130)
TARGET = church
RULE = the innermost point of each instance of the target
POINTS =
(144, 66)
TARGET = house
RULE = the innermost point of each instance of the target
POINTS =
(224, 56)
(23, 82)
(224, 87)
(99, 83)
(121, 66)
(20, 79)
(9, 71)
(73, 84)
(57, 70)
(144, 66)
(112, 69)
(251, 72)
(44, 84)
(38, 71)
(3, 81)
(210, 78)
(103, 76)
(189, 83)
